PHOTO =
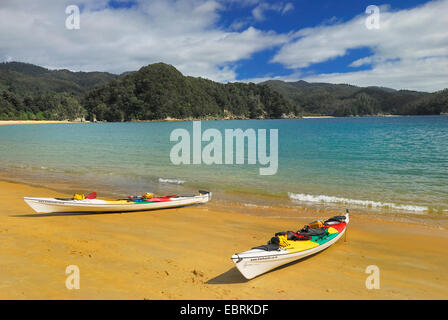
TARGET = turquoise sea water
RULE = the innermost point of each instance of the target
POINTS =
(381, 163)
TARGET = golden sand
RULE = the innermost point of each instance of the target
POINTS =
(317, 117)
(185, 254)
(10, 122)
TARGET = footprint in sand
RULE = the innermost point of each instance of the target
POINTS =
(81, 253)
(198, 276)
(197, 273)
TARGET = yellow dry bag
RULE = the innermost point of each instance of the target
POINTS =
(316, 224)
(79, 197)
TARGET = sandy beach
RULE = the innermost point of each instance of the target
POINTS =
(317, 117)
(185, 254)
(11, 122)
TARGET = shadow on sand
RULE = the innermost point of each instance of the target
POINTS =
(228, 277)
(234, 276)
(60, 214)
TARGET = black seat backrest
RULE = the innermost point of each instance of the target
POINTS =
(268, 247)
(313, 231)
(338, 219)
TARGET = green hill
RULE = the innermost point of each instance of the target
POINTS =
(160, 91)
(348, 100)
(29, 92)
(29, 79)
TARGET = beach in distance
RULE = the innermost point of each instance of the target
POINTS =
(10, 122)
(185, 254)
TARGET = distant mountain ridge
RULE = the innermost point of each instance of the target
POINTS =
(22, 77)
(350, 100)
(160, 91)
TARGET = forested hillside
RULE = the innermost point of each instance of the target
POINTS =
(160, 91)
(30, 92)
(28, 79)
(347, 100)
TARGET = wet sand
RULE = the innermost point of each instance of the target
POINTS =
(185, 254)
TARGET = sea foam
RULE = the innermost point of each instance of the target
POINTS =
(362, 203)
(172, 181)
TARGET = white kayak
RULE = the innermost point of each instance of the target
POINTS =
(262, 259)
(59, 205)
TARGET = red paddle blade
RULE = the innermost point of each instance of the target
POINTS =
(91, 195)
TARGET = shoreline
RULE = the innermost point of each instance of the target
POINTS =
(252, 205)
(14, 122)
(185, 253)
(17, 122)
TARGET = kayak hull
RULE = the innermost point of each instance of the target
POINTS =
(54, 205)
(255, 262)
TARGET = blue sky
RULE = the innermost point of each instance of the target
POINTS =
(305, 14)
(238, 40)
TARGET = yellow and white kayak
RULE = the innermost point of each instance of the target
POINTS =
(290, 246)
(56, 205)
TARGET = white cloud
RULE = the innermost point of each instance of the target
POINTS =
(182, 33)
(288, 7)
(362, 62)
(242, 3)
(259, 11)
(426, 74)
(410, 50)
(295, 76)
(239, 24)
(407, 44)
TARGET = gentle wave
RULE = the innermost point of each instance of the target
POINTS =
(251, 205)
(362, 203)
(172, 181)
